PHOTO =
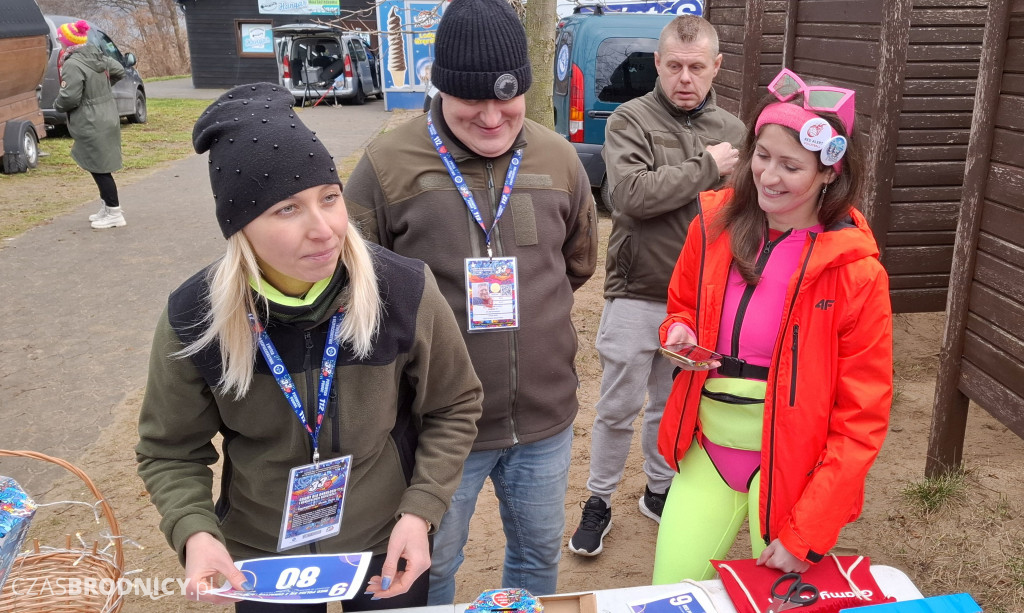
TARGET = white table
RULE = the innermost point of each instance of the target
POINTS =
(892, 581)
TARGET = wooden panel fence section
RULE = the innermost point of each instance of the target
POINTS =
(928, 171)
(982, 357)
(748, 47)
(914, 66)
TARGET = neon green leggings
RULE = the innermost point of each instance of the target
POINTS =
(701, 519)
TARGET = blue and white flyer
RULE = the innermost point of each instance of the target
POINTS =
(301, 579)
(686, 601)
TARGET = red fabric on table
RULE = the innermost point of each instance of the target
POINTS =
(834, 591)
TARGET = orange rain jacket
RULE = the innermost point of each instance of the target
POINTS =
(829, 383)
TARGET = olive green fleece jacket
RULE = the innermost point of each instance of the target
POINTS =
(403, 198)
(406, 414)
(657, 162)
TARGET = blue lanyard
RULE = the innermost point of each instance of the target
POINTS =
(284, 380)
(460, 183)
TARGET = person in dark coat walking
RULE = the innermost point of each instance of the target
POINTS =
(86, 76)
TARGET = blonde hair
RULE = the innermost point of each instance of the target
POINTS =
(231, 301)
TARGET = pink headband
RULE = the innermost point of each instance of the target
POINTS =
(815, 134)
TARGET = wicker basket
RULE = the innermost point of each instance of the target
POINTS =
(42, 567)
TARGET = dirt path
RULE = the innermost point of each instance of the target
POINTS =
(80, 305)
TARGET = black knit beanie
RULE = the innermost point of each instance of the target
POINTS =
(260, 153)
(480, 52)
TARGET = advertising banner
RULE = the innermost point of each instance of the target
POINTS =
(407, 49)
(665, 7)
(300, 7)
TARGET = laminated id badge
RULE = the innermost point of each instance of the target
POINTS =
(492, 294)
(316, 496)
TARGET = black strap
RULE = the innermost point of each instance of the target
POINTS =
(740, 369)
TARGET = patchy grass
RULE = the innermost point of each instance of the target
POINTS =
(957, 534)
(58, 185)
(932, 494)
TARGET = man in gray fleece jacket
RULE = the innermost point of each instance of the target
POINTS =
(661, 150)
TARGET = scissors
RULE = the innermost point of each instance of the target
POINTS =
(795, 594)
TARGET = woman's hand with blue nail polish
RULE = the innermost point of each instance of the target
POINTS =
(408, 542)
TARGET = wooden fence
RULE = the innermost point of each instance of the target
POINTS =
(982, 357)
(913, 64)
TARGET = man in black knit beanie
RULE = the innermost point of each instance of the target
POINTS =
(500, 206)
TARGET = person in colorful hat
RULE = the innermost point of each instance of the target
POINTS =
(390, 410)
(86, 76)
(780, 275)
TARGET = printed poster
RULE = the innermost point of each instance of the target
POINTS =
(407, 48)
(256, 38)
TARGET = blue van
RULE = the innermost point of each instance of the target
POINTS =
(602, 59)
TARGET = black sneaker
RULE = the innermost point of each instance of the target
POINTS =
(652, 504)
(588, 540)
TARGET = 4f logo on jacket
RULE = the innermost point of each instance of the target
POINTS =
(824, 304)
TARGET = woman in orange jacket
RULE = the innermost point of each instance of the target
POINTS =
(780, 275)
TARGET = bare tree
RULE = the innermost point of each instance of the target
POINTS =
(152, 29)
(73, 8)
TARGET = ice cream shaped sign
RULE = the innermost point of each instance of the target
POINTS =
(396, 48)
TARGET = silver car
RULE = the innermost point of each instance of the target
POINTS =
(129, 92)
(318, 61)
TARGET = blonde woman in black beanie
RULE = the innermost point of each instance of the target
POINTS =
(236, 353)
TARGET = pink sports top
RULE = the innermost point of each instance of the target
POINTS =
(751, 313)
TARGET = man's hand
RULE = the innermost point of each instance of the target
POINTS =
(205, 558)
(725, 156)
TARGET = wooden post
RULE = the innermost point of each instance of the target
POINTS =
(893, 41)
(753, 26)
(949, 413)
(789, 40)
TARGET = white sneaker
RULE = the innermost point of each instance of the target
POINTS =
(96, 216)
(112, 218)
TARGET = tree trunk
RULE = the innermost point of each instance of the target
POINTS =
(180, 41)
(541, 20)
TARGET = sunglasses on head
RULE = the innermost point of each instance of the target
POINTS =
(836, 100)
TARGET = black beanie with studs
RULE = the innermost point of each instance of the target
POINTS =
(480, 52)
(260, 153)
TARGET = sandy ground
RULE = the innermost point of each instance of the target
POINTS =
(972, 545)
(975, 543)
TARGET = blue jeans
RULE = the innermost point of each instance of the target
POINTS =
(530, 482)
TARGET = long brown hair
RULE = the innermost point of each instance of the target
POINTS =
(743, 217)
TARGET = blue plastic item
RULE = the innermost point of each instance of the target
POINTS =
(953, 603)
